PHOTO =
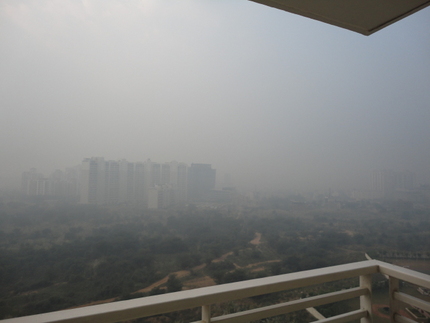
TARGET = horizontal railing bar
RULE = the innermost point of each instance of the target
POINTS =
(401, 319)
(411, 300)
(343, 318)
(153, 305)
(288, 307)
(405, 274)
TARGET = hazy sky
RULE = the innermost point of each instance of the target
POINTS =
(275, 99)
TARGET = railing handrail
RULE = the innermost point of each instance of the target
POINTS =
(200, 297)
(405, 274)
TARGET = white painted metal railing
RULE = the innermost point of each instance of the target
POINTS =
(205, 297)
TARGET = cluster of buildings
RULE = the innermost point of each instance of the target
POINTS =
(159, 185)
(147, 184)
(150, 184)
(59, 183)
(386, 183)
(395, 185)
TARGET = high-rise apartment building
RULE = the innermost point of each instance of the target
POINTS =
(93, 177)
(139, 184)
(34, 183)
(149, 184)
(58, 184)
(180, 181)
(201, 179)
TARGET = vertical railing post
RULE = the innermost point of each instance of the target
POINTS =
(394, 305)
(206, 313)
(366, 300)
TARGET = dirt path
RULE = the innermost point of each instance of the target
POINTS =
(182, 274)
(258, 265)
(223, 257)
(179, 274)
(197, 282)
(261, 263)
(206, 281)
(199, 267)
(257, 240)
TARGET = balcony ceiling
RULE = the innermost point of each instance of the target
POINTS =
(362, 16)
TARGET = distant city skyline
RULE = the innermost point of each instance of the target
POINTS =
(148, 184)
(385, 181)
(156, 185)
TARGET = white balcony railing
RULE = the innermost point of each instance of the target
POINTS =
(204, 297)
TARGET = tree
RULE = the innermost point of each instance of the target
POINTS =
(173, 284)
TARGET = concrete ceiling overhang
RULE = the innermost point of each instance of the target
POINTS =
(362, 16)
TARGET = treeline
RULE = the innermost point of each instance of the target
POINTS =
(56, 257)
(114, 260)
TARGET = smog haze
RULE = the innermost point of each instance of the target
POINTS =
(276, 100)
